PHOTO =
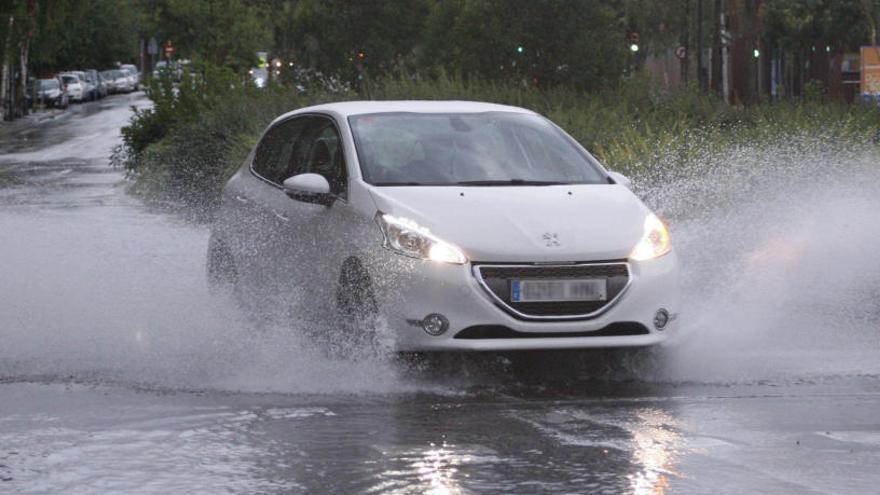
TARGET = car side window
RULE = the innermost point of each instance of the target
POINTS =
(275, 152)
(326, 158)
(302, 145)
(320, 152)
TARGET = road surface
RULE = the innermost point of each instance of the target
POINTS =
(120, 373)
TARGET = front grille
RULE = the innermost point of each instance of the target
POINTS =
(496, 279)
(487, 332)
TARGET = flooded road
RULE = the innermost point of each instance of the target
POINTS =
(121, 373)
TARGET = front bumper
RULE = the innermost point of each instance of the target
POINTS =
(408, 290)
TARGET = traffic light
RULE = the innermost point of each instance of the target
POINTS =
(519, 49)
(633, 39)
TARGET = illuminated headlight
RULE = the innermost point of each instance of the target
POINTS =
(410, 239)
(655, 240)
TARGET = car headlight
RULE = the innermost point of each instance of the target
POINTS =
(655, 240)
(408, 238)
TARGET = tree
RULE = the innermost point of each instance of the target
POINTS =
(872, 13)
(223, 33)
(802, 24)
(539, 42)
(349, 39)
(84, 34)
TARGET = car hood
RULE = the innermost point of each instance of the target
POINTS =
(524, 223)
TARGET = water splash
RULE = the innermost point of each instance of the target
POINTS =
(779, 251)
(778, 244)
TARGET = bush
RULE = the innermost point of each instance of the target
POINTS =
(189, 144)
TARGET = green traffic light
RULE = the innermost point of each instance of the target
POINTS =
(634, 47)
(519, 49)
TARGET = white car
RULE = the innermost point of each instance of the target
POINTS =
(135, 74)
(447, 225)
(122, 81)
(89, 90)
(75, 87)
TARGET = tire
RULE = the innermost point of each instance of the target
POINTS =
(355, 298)
(358, 312)
(220, 266)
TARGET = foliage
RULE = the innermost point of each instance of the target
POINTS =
(222, 33)
(541, 42)
(350, 39)
(68, 34)
(800, 24)
(631, 128)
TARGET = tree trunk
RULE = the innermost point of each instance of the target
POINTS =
(23, 88)
(5, 106)
(716, 47)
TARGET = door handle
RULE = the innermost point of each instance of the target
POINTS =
(279, 216)
(241, 199)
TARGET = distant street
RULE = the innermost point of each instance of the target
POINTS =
(121, 373)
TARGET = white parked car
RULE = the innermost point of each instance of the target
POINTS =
(135, 74)
(122, 81)
(448, 225)
(75, 87)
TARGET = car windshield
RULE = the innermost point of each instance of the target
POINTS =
(48, 84)
(468, 149)
(70, 79)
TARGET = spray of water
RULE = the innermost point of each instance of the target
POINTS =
(778, 244)
(781, 268)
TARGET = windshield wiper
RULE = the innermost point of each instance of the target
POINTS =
(398, 184)
(509, 182)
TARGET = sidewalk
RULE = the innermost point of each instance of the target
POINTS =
(31, 120)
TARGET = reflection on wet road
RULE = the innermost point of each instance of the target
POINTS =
(71, 438)
(121, 373)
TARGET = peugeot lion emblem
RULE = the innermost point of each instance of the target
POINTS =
(551, 239)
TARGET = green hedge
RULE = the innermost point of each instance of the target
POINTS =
(189, 144)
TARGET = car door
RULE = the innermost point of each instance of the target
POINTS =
(285, 256)
(312, 263)
(249, 216)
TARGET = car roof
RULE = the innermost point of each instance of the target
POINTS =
(345, 109)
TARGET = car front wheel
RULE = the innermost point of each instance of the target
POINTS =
(358, 310)
(220, 268)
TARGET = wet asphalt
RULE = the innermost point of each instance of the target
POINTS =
(121, 373)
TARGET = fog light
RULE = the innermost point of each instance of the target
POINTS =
(661, 318)
(435, 324)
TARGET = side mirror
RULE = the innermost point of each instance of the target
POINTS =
(309, 188)
(621, 179)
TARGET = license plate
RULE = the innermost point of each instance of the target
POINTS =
(594, 289)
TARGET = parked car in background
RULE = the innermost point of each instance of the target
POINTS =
(134, 72)
(103, 90)
(171, 68)
(108, 80)
(118, 81)
(132, 78)
(89, 90)
(75, 87)
(50, 92)
(94, 82)
(124, 81)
